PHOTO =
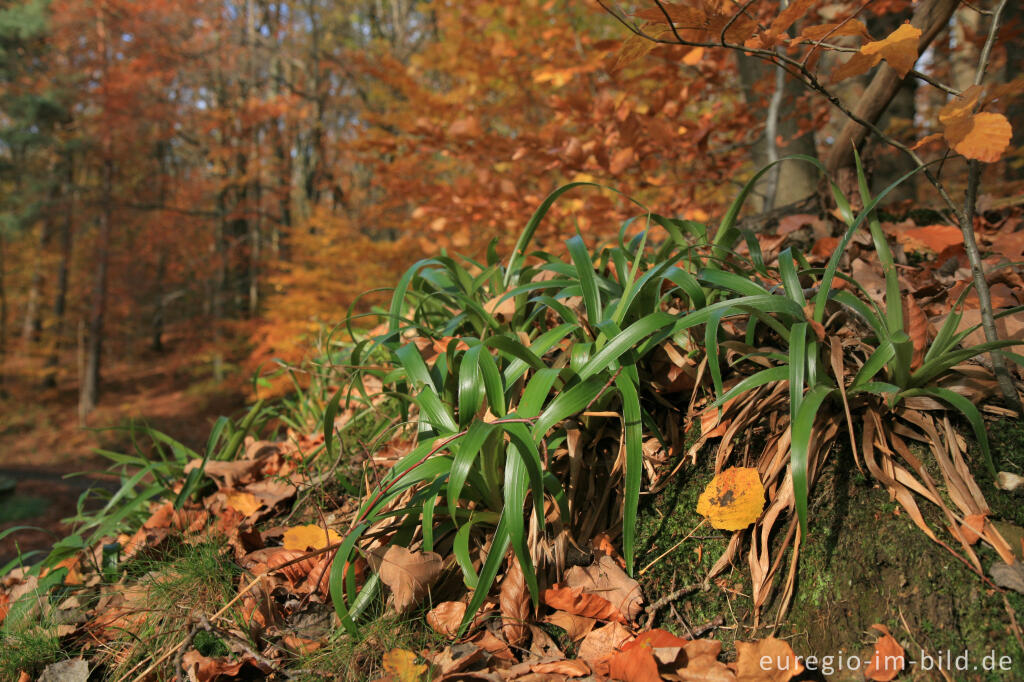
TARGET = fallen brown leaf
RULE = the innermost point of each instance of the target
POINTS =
(766, 660)
(514, 603)
(573, 600)
(409, 575)
(575, 626)
(446, 617)
(605, 579)
(888, 659)
(603, 642)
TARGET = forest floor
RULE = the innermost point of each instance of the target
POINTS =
(42, 442)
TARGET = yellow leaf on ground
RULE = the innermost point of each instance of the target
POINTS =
(311, 537)
(401, 666)
(244, 503)
(733, 499)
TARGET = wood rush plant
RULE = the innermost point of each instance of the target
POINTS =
(516, 373)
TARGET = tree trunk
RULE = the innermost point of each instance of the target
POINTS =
(794, 180)
(32, 325)
(94, 351)
(3, 317)
(63, 270)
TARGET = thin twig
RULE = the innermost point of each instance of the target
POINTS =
(988, 322)
(652, 610)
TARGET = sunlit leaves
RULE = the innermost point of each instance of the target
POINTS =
(898, 49)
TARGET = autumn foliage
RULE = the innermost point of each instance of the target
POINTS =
(211, 172)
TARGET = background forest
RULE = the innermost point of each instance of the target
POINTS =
(208, 185)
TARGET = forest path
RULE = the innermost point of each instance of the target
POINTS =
(42, 443)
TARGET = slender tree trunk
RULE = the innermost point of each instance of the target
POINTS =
(63, 271)
(157, 340)
(3, 316)
(94, 350)
(31, 327)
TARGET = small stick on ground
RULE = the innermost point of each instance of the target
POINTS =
(713, 624)
(652, 610)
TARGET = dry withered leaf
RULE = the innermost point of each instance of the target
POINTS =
(702, 664)
(401, 665)
(230, 472)
(733, 499)
(851, 27)
(206, 669)
(972, 528)
(301, 645)
(514, 603)
(573, 668)
(409, 575)
(575, 601)
(603, 641)
(915, 323)
(446, 617)
(888, 659)
(542, 646)
(575, 626)
(766, 660)
(492, 645)
(311, 537)
(605, 579)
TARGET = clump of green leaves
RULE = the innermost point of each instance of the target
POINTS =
(499, 361)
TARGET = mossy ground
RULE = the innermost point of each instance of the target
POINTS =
(864, 562)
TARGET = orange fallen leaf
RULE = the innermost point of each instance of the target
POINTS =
(936, 238)
(973, 527)
(605, 578)
(575, 601)
(733, 499)
(888, 659)
(766, 660)
(492, 645)
(634, 661)
(446, 617)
